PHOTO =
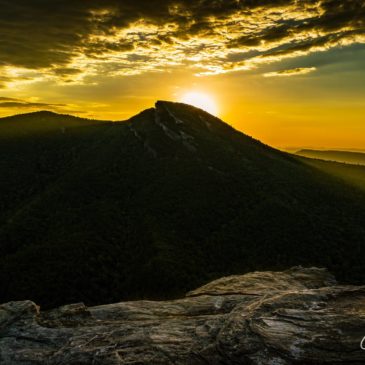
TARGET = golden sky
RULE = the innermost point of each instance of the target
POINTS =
(290, 73)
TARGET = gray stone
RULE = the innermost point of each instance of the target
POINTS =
(299, 316)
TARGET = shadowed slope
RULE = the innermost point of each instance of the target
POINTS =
(159, 204)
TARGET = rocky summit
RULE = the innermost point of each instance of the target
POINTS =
(298, 316)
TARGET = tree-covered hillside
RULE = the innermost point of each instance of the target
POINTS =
(159, 204)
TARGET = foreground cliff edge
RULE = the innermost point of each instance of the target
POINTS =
(298, 316)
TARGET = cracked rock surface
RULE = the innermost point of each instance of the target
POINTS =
(298, 316)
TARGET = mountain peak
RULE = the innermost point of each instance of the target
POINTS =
(161, 103)
(178, 129)
(164, 103)
(181, 113)
(169, 105)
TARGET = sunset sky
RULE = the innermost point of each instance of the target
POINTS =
(290, 73)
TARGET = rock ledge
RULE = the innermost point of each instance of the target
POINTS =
(298, 316)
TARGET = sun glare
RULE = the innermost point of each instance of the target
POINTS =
(200, 100)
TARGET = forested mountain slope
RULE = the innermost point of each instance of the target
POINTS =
(159, 204)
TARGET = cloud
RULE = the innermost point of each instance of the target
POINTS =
(3, 98)
(8, 104)
(14, 103)
(71, 40)
(291, 72)
(23, 104)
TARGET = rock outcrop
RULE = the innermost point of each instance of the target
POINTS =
(299, 316)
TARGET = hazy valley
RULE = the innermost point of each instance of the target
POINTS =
(349, 157)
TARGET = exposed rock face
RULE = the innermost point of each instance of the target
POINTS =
(299, 316)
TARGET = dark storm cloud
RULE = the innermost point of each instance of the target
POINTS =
(57, 34)
(336, 19)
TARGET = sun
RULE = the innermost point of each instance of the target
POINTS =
(200, 100)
